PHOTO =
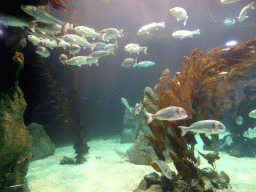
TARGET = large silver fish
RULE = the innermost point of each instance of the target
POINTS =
(42, 51)
(75, 39)
(205, 126)
(150, 27)
(128, 62)
(86, 32)
(13, 21)
(135, 48)
(40, 14)
(172, 113)
(82, 60)
(111, 33)
(243, 12)
(180, 13)
(100, 53)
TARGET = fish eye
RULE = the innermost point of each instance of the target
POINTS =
(213, 125)
(177, 111)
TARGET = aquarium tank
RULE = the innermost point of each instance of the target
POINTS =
(128, 96)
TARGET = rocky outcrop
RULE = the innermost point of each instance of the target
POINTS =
(42, 146)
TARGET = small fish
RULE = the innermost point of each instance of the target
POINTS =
(229, 21)
(172, 113)
(243, 12)
(150, 27)
(63, 58)
(252, 114)
(250, 133)
(82, 60)
(228, 141)
(42, 51)
(182, 34)
(223, 73)
(137, 109)
(101, 53)
(239, 120)
(86, 32)
(135, 48)
(13, 21)
(228, 1)
(207, 127)
(128, 62)
(40, 14)
(75, 39)
(180, 13)
(144, 64)
(126, 104)
(74, 49)
(111, 33)
(34, 39)
(166, 171)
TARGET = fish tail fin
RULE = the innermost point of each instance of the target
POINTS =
(251, 6)
(149, 117)
(163, 24)
(198, 31)
(93, 46)
(144, 49)
(184, 130)
(185, 22)
(121, 32)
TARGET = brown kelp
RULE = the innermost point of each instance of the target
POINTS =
(201, 87)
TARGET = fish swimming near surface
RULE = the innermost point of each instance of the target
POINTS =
(126, 104)
(172, 113)
(42, 51)
(243, 12)
(250, 133)
(128, 62)
(86, 32)
(40, 14)
(182, 34)
(146, 29)
(111, 33)
(144, 64)
(228, 1)
(180, 13)
(252, 114)
(135, 48)
(207, 127)
(239, 120)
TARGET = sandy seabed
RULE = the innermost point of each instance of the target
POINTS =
(110, 173)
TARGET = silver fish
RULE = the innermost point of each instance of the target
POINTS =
(239, 120)
(48, 43)
(75, 39)
(42, 51)
(45, 27)
(252, 114)
(135, 48)
(99, 54)
(182, 34)
(166, 171)
(250, 133)
(205, 126)
(180, 13)
(40, 14)
(111, 33)
(146, 29)
(87, 32)
(74, 49)
(172, 113)
(99, 45)
(9, 20)
(144, 64)
(82, 60)
(34, 39)
(228, 1)
(111, 46)
(243, 12)
(63, 58)
(128, 62)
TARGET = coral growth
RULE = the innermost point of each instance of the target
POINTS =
(201, 87)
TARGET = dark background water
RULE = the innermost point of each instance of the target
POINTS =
(104, 86)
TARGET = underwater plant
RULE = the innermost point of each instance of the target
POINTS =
(200, 88)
